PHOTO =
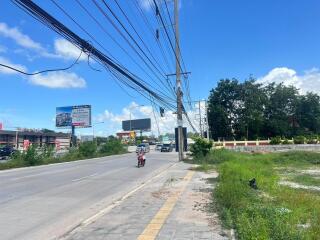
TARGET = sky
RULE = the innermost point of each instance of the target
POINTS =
(272, 40)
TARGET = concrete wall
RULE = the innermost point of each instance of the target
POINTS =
(277, 148)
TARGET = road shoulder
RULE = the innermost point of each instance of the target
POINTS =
(173, 205)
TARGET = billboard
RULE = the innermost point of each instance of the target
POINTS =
(77, 116)
(137, 124)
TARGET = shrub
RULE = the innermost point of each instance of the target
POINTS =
(88, 149)
(31, 157)
(286, 141)
(218, 144)
(112, 146)
(312, 139)
(299, 140)
(275, 141)
(201, 147)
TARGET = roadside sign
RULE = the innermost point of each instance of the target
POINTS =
(76, 116)
(132, 134)
(57, 143)
(26, 144)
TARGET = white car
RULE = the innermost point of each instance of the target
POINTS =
(143, 146)
(158, 147)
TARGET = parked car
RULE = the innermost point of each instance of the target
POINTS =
(6, 152)
(158, 147)
(143, 146)
(166, 147)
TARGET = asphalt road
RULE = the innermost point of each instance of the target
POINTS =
(47, 201)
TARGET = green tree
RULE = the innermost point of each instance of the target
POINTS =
(280, 111)
(250, 110)
(308, 113)
(223, 101)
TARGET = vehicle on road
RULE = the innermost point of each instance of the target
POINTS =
(143, 146)
(166, 147)
(158, 147)
(6, 152)
(141, 159)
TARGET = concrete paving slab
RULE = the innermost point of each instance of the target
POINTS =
(172, 206)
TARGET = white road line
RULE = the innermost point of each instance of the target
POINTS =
(38, 174)
(82, 178)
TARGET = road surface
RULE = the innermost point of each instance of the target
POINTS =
(47, 201)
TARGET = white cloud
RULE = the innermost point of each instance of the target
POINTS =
(307, 82)
(166, 124)
(66, 49)
(62, 48)
(58, 80)
(20, 38)
(5, 70)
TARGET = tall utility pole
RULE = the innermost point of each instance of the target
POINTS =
(200, 124)
(178, 82)
(207, 120)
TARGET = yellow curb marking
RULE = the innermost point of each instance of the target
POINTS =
(153, 228)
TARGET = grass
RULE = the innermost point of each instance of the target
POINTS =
(272, 211)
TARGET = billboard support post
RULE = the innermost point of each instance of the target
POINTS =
(73, 137)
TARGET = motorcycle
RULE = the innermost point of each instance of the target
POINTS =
(141, 160)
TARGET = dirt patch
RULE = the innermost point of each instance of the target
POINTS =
(161, 194)
(315, 172)
(299, 186)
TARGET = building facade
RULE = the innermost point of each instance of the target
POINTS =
(17, 139)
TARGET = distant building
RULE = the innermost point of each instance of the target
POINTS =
(86, 138)
(14, 138)
(126, 136)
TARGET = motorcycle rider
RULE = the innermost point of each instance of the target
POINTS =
(141, 154)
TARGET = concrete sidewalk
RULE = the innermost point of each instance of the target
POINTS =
(171, 206)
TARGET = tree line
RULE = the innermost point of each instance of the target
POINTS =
(250, 110)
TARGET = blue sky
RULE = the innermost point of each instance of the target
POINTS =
(272, 40)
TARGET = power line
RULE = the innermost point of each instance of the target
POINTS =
(113, 39)
(165, 28)
(154, 114)
(186, 82)
(132, 26)
(84, 30)
(43, 71)
(151, 30)
(124, 37)
(49, 20)
(130, 36)
(136, 32)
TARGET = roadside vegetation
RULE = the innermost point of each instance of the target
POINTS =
(46, 155)
(269, 210)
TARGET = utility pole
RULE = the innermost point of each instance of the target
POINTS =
(200, 124)
(178, 82)
(207, 119)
